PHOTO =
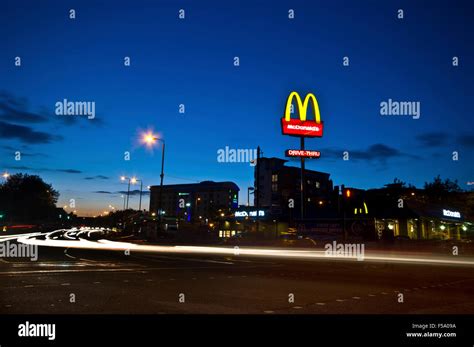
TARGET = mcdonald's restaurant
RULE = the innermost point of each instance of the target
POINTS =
(422, 221)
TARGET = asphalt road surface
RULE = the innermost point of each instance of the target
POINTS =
(78, 280)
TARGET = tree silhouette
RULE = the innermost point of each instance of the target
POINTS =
(439, 189)
(26, 197)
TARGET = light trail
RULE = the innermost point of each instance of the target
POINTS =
(259, 252)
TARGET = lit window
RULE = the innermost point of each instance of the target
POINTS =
(317, 184)
(274, 187)
(274, 178)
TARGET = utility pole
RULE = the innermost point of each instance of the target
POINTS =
(141, 188)
(161, 181)
(128, 191)
(256, 192)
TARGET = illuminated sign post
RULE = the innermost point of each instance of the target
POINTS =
(453, 214)
(302, 153)
(241, 214)
(302, 128)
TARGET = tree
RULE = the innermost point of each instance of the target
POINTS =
(26, 197)
(439, 189)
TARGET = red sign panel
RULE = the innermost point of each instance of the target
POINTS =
(298, 127)
(302, 153)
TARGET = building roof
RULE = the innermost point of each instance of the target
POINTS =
(204, 185)
(282, 162)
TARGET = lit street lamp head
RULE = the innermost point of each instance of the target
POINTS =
(149, 139)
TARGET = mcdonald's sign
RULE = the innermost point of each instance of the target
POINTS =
(302, 127)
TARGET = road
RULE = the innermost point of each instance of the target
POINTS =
(72, 280)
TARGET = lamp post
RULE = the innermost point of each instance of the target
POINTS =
(196, 207)
(150, 139)
(123, 178)
(6, 175)
(135, 180)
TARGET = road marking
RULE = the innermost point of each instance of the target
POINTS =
(383, 293)
(28, 286)
(340, 300)
(356, 297)
(320, 303)
(149, 280)
(96, 282)
(371, 294)
(192, 259)
(297, 307)
(67, 255)
(11, 273)
(268, 311)
(65, 284)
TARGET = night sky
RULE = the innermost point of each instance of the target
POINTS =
(191, 62)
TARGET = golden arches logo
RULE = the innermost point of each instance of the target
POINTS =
(302, 127)
(302, 106)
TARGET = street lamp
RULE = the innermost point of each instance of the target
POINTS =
(135, 180)
(196, 207)
(149, 139)
(123, 178)
(5, 175)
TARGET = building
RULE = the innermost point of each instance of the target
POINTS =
(195, 202)
(280, 188)
(408, 213)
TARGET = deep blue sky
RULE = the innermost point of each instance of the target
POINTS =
(191, 62)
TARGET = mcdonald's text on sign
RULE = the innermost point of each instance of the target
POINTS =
(302, 127)
(302, 153)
